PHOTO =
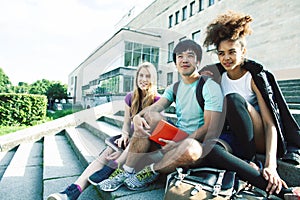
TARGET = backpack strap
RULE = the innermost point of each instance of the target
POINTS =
(199, 89)
(175, 88)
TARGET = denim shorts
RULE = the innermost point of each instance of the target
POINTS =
(237, 149)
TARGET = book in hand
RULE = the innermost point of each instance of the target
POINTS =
(167, 131)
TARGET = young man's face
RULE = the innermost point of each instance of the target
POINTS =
(186, 62)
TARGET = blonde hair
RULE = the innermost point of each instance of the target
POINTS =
(229, 26)
(139, 101)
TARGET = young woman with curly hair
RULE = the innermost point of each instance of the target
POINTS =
(250, 115)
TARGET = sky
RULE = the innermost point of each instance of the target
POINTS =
(48, 39)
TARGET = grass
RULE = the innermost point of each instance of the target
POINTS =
(10, 129)
(49, 117)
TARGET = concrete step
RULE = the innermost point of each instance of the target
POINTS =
(61, 166)
(295, 82)
(87, 142)
(65, 156)
(5, 159)
(23, 176)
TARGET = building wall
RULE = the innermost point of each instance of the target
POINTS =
(274, 42)
(275, 38)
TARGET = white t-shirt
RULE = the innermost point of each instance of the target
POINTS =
(241, 86)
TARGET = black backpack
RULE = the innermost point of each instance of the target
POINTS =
(199, 88)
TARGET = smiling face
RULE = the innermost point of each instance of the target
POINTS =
(186, 62)
(143, 79)
(231, 54)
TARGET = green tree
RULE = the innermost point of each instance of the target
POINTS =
(40, 87)
(5, 84)
(22, 87)
(57, 91)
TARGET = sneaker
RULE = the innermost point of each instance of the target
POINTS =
(295, 195)
(115, 181)
(71, 193)
(101, 175)
(142, 179)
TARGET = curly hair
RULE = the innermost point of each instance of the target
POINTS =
(139, 101)
(229, 26)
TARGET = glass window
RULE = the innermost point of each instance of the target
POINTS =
(128, 83)
(211, 2)
(137, 47)
(177, 17)
(169, 78)
(128, 58)
(170, 21)
(201, 6)
(154, 56)
(128, 46)
(192, 8)
(196, 36)
(170, 51)
(140, 53)
(183, 38)
(184, 13)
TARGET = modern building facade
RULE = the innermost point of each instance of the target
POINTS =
(152, 35)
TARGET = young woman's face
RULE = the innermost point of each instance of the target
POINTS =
(231, 54)
(186, 62)
(143, 79)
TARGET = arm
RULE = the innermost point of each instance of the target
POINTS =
(126, 128)
(158, 106)
(209, 130)
(140, 123)
(270, 171)
(269, 130)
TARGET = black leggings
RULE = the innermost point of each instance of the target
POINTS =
(218, 157)
(241, 126)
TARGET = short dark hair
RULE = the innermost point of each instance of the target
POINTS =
(185, 45)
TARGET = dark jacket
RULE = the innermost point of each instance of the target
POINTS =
(287, 128)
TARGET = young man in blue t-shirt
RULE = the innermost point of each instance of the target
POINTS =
(192, 119)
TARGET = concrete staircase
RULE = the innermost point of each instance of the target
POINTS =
(291, 91)
(39, 161)
(36, 168)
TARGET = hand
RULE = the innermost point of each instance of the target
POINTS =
(140, 124)
(170, 144)
(123, 140)
(114, 155)
(275, 182)
(207, 73)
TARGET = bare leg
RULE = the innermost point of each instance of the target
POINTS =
(121, 160)
(258, 129)
(140, 143)
(94, 166)
(187, 153)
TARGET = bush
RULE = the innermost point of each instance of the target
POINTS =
(59, 113)
(22, 109)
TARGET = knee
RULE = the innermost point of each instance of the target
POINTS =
(234, 101)
(192, 149)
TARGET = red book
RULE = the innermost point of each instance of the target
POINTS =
(167, 131)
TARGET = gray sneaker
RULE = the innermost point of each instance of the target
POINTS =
(142, 179)
(115, 180)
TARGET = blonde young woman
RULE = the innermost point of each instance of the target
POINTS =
(144, 94)
(251, 115)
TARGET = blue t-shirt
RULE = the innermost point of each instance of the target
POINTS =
(189, 113)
